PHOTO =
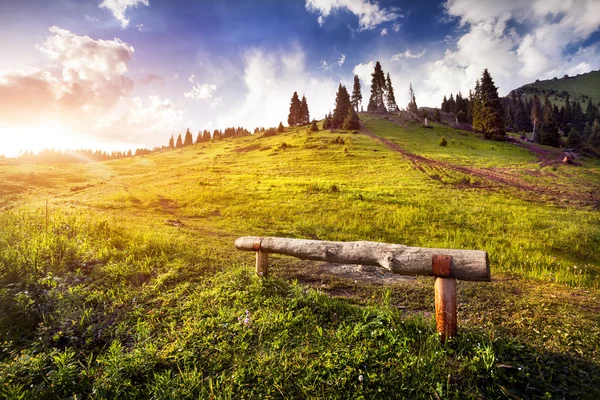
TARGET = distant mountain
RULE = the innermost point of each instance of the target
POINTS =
(581, 87)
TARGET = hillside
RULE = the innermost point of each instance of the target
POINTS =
(120, 279)
(581, 87)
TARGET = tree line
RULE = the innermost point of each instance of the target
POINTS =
(493, 116)
(54, 156)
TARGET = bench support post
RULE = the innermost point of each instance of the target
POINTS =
(445, 307)
(262, 263)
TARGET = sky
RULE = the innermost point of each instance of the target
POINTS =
(123, 74)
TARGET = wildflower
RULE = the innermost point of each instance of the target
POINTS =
(360, 378)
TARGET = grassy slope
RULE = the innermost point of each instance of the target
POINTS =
(585, 84)
(124, 304)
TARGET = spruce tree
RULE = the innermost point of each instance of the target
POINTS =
(594, 138)
(327, 122)
(314, 127)
(522, 122)
(179, 142)
(549, 134)
(476, 108)
(280, 128)
(378, 88)
(199, 137)
(451, 104)
(491, 114)
(445, 105)
(574, 140)
(206, 136)
(436, 115)
(591, 112)
(356, 93)
(294, 118)
(171, 142)
(537, 117)
(304, 115)
(391, 98)
(351, 122)
(342, 104)
(189, 140)
(412, 105)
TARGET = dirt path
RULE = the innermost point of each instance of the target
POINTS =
(492, 177)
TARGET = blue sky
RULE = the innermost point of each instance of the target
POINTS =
(129, 73)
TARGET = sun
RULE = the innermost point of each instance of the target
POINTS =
(51, 134)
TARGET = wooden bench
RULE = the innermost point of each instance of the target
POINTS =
(446, 265)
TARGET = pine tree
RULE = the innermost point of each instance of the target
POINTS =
(537, 116)
(591, 112)
(376, 103)
(594, 138)
(179, 142)
(490, 108)
(356, 93)
(327, 122)
(342, 104)
(549, 134)
(451, 104)
(294, 117)
(574, 140)
(445, 105)
(314, 127)
(522, 122)
(476, 108)
(280, 128)
(412, 105)
(189, 140)
(578, 117)
(391, 99)
(304, 115)
(171, 142)
(351, 122)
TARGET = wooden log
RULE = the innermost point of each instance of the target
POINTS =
(470, 265)
(262, 263)
(445, 308)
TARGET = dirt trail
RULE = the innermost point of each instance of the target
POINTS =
(493, 177)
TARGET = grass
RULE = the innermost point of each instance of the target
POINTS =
(129, 286)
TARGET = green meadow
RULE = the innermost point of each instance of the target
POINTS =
(120, 279)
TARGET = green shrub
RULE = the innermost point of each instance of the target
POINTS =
(443, 142)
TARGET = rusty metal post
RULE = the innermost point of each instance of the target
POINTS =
(445, 297)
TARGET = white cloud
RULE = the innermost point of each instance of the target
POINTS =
(384, 32)
(408, 54)
(324, 65)
(364, 72)
(201, 92)
(119, 7)
(144, 122)
(271, 79)
(396, 28)
(88, 98)
(93, 77)
(369, 14)
(549, 29)
(342, 60)
(191, 78)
